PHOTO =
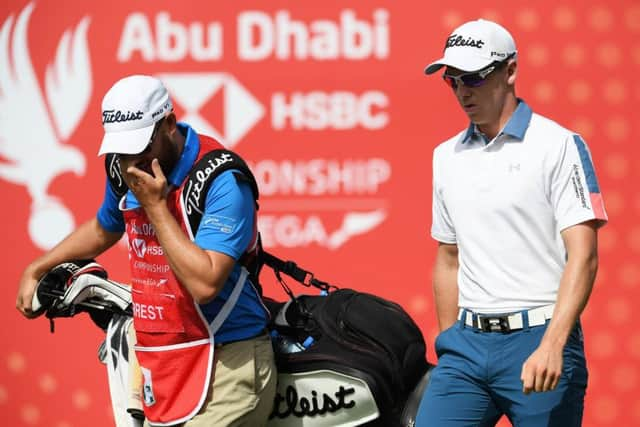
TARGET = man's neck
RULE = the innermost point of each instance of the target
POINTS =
(180, 140)
(492, 129)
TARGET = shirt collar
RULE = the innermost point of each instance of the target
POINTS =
(188, 156)
(515, 127)
(519, 121)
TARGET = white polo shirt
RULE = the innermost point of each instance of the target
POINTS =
(504, 203)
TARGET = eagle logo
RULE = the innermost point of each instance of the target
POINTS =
(35, 126)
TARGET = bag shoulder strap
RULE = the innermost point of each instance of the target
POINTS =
(114, 175)
(205, 171)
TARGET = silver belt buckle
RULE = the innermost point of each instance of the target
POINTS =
(494, 324)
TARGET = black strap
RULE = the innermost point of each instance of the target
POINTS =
(204, 172)
(114, 174)
(297, 315)
(292, 270)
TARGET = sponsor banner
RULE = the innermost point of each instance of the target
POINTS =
(330, 107)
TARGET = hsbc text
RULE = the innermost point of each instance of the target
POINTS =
(155, 250)
(339, 110)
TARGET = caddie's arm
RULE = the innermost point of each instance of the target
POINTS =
(445, 284)
(202, 272)
(88, 241)
(542, 370)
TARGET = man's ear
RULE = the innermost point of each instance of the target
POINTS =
(171, 122)
(512, 71)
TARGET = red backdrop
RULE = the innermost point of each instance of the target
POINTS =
(330, 106)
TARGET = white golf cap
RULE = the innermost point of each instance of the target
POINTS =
(474, 45)
(130, 110)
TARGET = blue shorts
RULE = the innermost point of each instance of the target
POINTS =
(477, 380)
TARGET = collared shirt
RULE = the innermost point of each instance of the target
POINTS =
(226, 227)
(504, 202)
(515, 127)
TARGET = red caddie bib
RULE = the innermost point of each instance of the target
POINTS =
(175, 343)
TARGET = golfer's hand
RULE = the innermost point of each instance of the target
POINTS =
(542, 370)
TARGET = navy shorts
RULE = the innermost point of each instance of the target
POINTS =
(477, 380)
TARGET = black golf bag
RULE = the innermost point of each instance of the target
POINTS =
(345, 356)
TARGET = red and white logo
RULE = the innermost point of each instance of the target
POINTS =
(206, 97)
(139, 247)
(36, 123)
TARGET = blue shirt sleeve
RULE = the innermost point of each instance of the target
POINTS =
(109, 216)
(228, 222)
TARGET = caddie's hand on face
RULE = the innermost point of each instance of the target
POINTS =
(148, 189)
(542, 370)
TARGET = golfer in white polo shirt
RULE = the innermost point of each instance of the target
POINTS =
(516, 209)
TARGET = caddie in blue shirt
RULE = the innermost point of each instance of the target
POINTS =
(200, 326)
(516, 210)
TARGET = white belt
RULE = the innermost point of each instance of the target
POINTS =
(506, 322)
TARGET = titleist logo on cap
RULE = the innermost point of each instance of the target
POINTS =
(113, 116)
(458, 40)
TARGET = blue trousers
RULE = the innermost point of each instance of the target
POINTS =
(477, 380)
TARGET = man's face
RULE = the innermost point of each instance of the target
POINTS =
(483, 103)
(162, 146)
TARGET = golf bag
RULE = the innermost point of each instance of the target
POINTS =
(344, 358)
(347, 355)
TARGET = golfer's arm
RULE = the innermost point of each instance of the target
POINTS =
(445, 284)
